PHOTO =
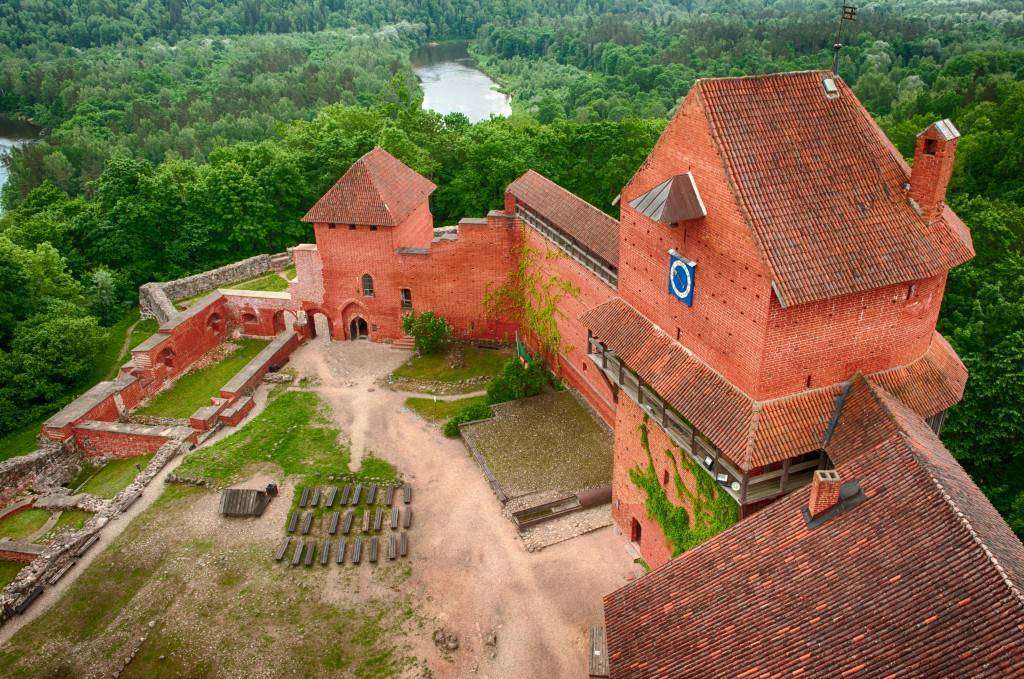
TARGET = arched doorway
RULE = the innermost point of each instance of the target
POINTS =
(357, 328)
(166, 357)
(284, 320)
(635, 532)
(319, 325)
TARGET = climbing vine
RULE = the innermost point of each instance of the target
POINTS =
(713, 509)
(533, 297)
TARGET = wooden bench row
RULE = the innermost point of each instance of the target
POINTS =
(351, 495)
(371, 521)
(306, 550)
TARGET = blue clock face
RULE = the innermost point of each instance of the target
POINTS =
(680, 278)
(682, 283)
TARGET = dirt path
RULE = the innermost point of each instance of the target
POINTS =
(115, 527)
(474, 573)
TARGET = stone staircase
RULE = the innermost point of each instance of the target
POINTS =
(406, 342)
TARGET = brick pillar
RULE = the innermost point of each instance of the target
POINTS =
(824, 491)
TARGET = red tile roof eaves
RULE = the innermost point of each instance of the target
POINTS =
(377, 189)
(921, 579)
(753, 433)
(821, 188)
(575, 217)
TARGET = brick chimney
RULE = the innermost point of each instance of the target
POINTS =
(824, 492)
(933, 166)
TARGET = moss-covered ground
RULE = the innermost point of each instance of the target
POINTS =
(269, 282)
(8, 571)
(546, 442)
(437, 411)
(23, 524)
(194, 389)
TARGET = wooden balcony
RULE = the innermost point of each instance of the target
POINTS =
(740, 485)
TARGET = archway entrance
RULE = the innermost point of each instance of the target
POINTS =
(635, 532)
(357, 328)
(284, 320)
(319, 326)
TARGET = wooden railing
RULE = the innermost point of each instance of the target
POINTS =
(598, 266)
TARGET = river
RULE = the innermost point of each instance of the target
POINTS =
(13, 133)
(451, 82)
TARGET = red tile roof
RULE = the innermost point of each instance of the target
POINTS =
(822, 188)
(923, 578)
(753, 433)
(378, 189)
(569, 213)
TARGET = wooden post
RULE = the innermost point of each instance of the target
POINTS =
(622, 369)
(785, 476)
(743, 488)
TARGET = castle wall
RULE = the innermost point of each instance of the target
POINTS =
(821, 343)
(732, 294)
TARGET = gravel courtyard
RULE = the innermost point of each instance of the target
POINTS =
(472, 570)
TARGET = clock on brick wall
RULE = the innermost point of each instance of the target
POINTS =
(681, 277)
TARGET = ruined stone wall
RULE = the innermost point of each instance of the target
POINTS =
(18, 474)
(156, 299)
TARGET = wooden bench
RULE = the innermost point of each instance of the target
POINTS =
(53, 579)
(347, 525)
(394, 518)
(293, 522)
(371, 494)
(333, 527)
(366, 522)
(27, 601)
(297, 556)
(310, 552)
(325, 552)
(87, 544)
(392, 547)
(407, 519)
(357, 550)
(407, 493)
(315, 500)
(340, 556)
(345, 493)
(356, 494)
(374, 545)
(389, 495)
(378, 519)
(282, 548)
(307, 523)
(304, 498)
(598, 652)
(403, 544)
(332, 493)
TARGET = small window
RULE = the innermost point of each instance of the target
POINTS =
(664, 478)
(351, 227)
(807, 382)
(912, 292)
(406, 298)
(367, 285)
(931, 147)
(373, 227)
(249, 318)
(332, 226)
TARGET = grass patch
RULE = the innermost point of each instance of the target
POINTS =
(115, 476)
(69, 518)
(290, 273)
(22, 524)
(270, 282)
(458, 363)
(141, 332)
(20, 441)
(194, 389)
(294, 433)
(8, 571)
(435, 411)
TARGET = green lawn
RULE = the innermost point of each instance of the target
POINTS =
(23, 524)
(438, 368)
(115, 476)
(194, 389)
(435, 411)
(270, 282)
(20, 441)
(142, 331)
(8, 571)
(293, 433)
(290, 273)
(69, 518)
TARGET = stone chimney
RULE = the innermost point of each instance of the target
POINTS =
(824, 492)
(933, 166)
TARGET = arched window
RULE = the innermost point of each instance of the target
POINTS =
(367, 285)
(215, 322)
(249, 318)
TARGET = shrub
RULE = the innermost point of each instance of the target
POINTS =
(517, 381)
(430, 331)
(475, 411)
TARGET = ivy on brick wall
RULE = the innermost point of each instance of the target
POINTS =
(533, 297)
(713, 509)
